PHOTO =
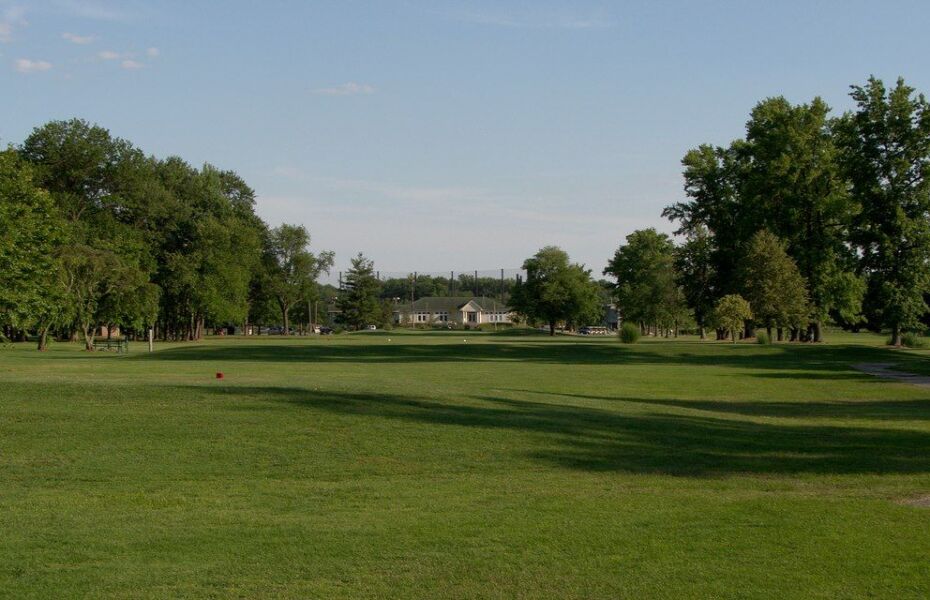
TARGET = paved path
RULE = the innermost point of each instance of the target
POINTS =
(885, 371)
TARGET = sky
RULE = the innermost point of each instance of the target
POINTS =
(438, 136)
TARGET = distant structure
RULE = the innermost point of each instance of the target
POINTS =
(458, 311)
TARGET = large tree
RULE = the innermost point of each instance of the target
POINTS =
(31, 234)
(694, 265)
(793, 186)
(886, 152)
(772, 284)
(556, 290)
(646, 289)
(358, 300)
(293, 269)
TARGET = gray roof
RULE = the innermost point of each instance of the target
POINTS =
(453, 303)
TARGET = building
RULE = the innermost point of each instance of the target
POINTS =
(460, 311)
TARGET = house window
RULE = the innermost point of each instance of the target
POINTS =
(422, 317)
(472, 317)
(442, 317)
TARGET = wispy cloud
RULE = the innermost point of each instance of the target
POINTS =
(533, 19)
(108, 55)
(89, 9)
(26, 65)
(11, 18)
(346, 89)
(153, 52)
(78, 39)
(131, 65)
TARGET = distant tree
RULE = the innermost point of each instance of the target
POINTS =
(775, 289)
(695, 268)
(886, 153)
(556, 290)
(647, 291)
(358, 301)
(31, 233)
(293, 269)
(730, 313)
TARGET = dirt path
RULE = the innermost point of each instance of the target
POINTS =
(885, 371)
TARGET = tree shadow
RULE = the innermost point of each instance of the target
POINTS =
(878, 410)
(593, 439)
(795, 361)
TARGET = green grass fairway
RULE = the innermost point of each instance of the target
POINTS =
(396, 465)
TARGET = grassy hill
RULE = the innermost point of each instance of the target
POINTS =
(455, 465)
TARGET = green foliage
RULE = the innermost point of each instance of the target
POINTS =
(359, 300)
(911, 339)
(772, 284)
(886, 152)
(291, 270)
(629, 333)
(646, 288)
(31, 233)
(731, 313)
(556, 290)
(762, 338)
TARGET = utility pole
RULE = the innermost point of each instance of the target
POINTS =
(476, 282)
(452, 283)
(502, 286)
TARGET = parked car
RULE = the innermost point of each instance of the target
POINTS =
(326, 330)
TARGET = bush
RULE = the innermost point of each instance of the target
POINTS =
(913, 340)
(763, 338)
(629, 333)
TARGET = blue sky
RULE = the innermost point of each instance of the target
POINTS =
(439, 135)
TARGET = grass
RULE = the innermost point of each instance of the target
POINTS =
(453, 465)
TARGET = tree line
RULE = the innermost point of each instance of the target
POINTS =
(93, 233)
(809, 217)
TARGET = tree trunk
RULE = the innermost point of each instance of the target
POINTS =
(88, 332)
(702, 332)
(794, 334)
(43, 338)
(817, 331)
(781, 334)
(285, 310)
(552, 328)
(768, 330)
(896, 335)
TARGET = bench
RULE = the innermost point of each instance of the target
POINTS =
(121, 345)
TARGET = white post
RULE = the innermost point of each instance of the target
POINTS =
(151, 338)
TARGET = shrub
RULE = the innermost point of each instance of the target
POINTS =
(913, 340)
(629, 333)
(763, 338)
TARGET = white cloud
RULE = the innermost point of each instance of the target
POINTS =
(92, 10)
(26, 65)
(533, 20)
(108, 55)
(346, 89)
(131, 64)
(78, 39)
(10, 19)
(152, 52)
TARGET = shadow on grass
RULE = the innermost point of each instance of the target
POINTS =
(807, 361)
(592, 439)
(878, 410)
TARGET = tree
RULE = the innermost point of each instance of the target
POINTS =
(293, 270)
(556, 290)
(886, 154)
(793, 186)
(646, 288)
(31, 232)
(775, 289)
(695, 267)
(359, 299)
(730, 313)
